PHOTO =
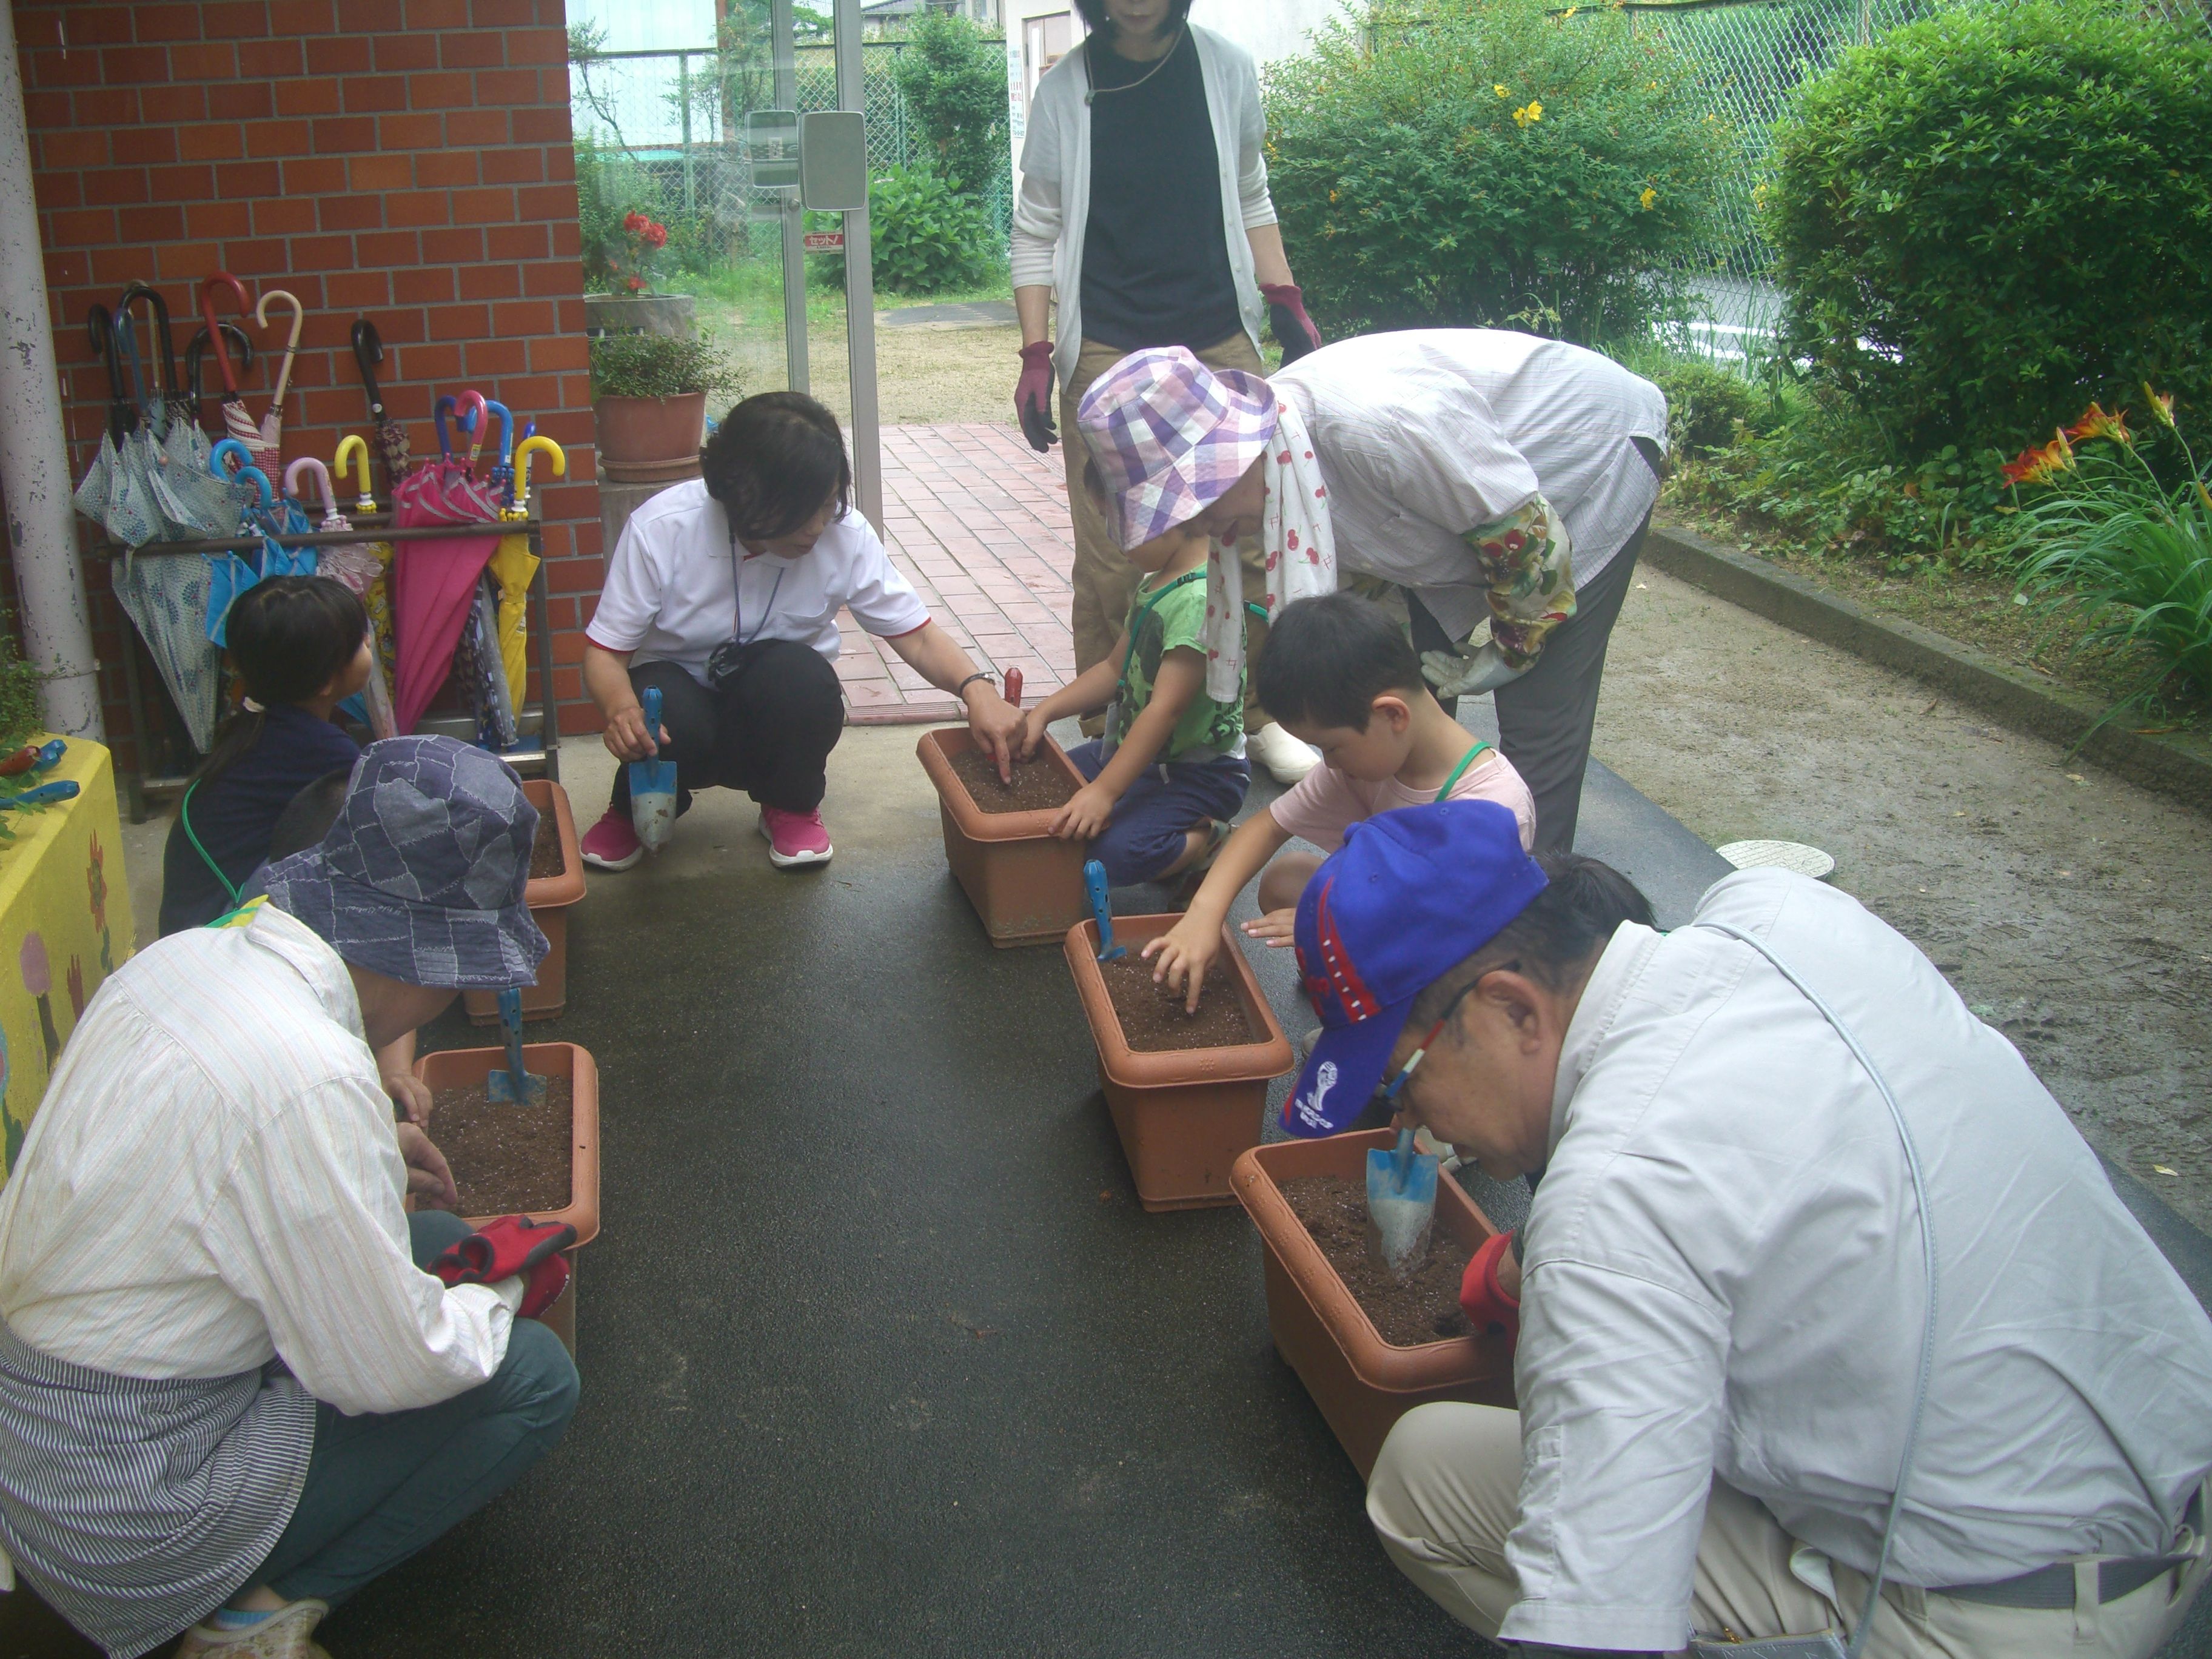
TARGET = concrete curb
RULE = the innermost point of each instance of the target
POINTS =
(2175, 765)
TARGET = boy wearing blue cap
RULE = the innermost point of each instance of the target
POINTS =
(1779, 1373)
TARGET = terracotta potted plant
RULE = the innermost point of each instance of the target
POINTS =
(1362, 1383)
(549, 896)
(649, 400)
(1026, 885)
(456, 1076)
(1184, 1114)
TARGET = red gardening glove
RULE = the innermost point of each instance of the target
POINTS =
(1286, 315)
(1480, 1294)
(513, 1244)
(1033, 397)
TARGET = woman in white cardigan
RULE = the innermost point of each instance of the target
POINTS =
(1144, 212)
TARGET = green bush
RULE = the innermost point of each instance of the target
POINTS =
(659, 366)
(1986, 218)
(926, 236)
(1705, 403)
(1463, 162)
(955, 84)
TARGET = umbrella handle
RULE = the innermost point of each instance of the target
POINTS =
(524, 450)
(355, 445)
(367, 353)
(291, 341)
(473, 404)
(128, 336)
(506, 430)
(159, 307)
(224, 451)
(321, 474)
(224, 280)
(256, 476)
(439, 411)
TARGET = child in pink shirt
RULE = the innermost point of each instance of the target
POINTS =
(1339, 674)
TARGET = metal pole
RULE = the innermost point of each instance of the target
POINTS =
(34, 460)
(859, 286)
(794, 217)
(683, 92)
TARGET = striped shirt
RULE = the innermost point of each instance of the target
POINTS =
(1426, 434)
(213, 1181)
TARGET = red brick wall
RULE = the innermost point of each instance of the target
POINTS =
(406, 160)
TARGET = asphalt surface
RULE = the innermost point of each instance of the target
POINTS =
(881, 1356)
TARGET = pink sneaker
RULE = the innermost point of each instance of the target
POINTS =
(794, 838)
(612, 843)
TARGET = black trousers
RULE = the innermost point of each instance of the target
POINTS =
(768, 730)
(1546, 717)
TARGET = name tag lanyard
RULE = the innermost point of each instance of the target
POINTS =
(738, 597)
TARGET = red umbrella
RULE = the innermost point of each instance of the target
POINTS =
(434, 581)
(236, 422)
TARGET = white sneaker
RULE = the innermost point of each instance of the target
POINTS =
(1286, 759)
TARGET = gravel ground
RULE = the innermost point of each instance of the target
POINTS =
(2067, 906)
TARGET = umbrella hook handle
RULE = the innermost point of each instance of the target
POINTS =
(127, 337)
(524, 450)
(256, 476)
(291, 341)
(225, 451)
(367, 353)
(321, 474)
(473, 404)
(442, 408)
(173, 388)
(355, 445)
(223, 280)
(494, 407)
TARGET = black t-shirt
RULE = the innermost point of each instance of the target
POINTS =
(234, 815)
(1155, 254)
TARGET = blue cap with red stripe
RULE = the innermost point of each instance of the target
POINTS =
(1408, 896)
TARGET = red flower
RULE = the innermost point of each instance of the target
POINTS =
(634, 222)
(634, 284)
(2098, 424)
(655, 236)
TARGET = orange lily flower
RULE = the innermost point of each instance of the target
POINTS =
(2161, 406)
(2034, 465)
(2098, 424)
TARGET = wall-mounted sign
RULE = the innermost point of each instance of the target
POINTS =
(825, 241)
(772, 142)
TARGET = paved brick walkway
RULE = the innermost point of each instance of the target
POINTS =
(978, 521)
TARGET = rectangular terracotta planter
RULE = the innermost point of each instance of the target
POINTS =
(1184, 1114)
(460, 1069)
(1362, 1383)
(1025, 884)
(549, 898)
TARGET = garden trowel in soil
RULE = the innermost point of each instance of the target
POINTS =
(515, 1086)
(653, 785)
(1401, 1204)
(1094, 883)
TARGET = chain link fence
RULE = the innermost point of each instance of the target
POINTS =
(678, 118)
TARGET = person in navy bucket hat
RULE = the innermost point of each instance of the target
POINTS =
(1365, 955)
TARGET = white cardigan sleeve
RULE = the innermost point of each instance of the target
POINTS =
(1259, 207)
(1038, 210)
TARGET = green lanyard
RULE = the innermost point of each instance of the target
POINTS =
(1138, 626)
(184, 818)
(1460, 771)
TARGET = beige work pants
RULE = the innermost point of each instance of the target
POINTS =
(1446, 1491)
(1104, 578)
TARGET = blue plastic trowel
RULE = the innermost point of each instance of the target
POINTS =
(1094, 883)
(653, 785)
(515, 1086)
(1401, 1206)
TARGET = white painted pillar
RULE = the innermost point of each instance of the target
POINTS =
(859, 286)
(34, 458)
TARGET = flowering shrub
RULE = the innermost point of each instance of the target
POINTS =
(1986, 218)
(1464, 162)
(631, 260)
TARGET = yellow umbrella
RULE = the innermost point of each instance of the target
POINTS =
(378, 598)
(514, 566)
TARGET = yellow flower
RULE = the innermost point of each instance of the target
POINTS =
(1332, 196)
(1648, 197)
(1531, 110)
(2161, 405)
(1498, 87)
(1569, 12)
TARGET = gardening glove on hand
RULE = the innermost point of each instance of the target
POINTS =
(1455, 676)
(513, 1244)
(1286, 315)
(1482, 1298)
(1033, 397)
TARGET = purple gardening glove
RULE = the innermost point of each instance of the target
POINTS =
(1286, 314)
(1033, 397)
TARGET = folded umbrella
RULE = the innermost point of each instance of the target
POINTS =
(268, 443)
(434, 580)
(230, 575)
(139, 455)
(377, 596)
(514, 567)
(236, 422)
(107, 494)
(357, 568)
(391, 435)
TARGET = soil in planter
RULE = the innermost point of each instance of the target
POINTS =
(1039, 785)
(545, 859)
(1426, 1309)
(1153, 1019)
(508, 1160)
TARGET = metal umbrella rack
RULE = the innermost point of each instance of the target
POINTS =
(368, 528)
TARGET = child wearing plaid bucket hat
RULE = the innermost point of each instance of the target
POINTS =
(1173, 451)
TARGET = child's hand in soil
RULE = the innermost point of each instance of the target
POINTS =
(430, 1178)
(1277, 928)
(1030, 733)
(1084, 817)
(1186, 950)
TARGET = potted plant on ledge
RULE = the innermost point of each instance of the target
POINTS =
(649, 399)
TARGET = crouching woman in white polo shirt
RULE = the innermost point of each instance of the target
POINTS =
(724, 594)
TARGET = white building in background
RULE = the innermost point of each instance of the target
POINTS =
(1039, 33)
